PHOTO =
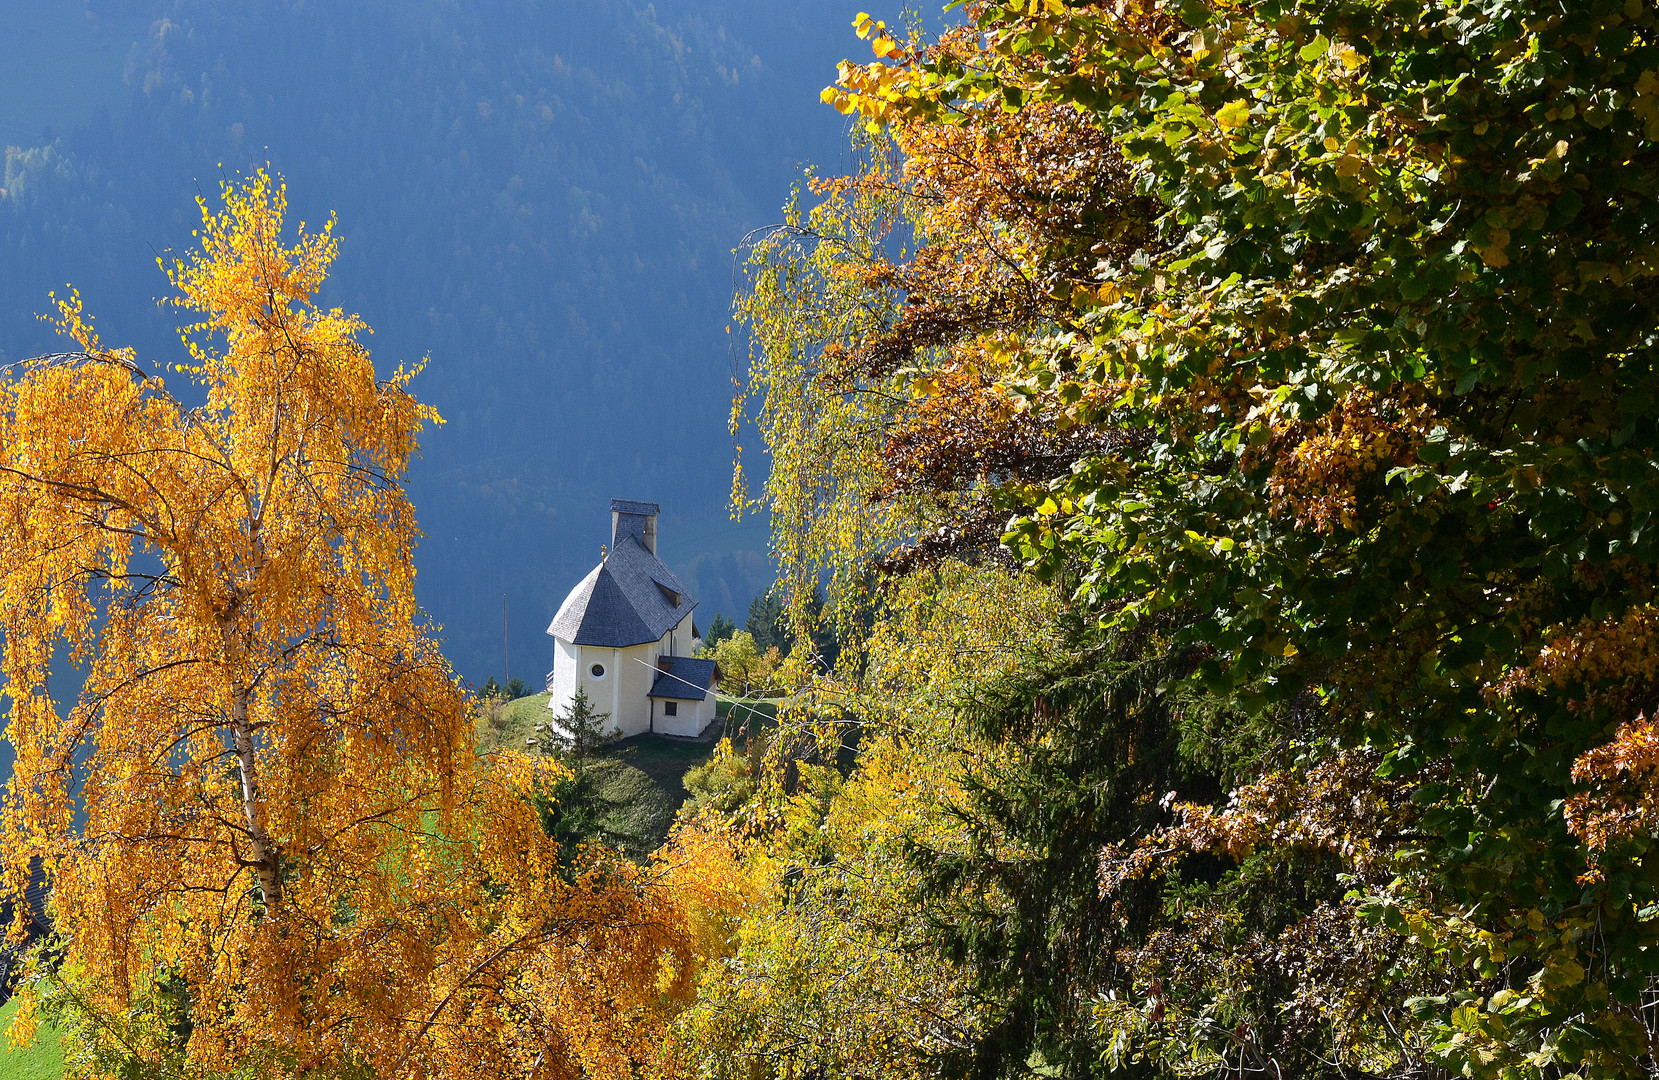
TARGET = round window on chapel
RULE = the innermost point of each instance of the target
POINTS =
(597, 671)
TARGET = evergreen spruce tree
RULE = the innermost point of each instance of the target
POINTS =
(719, 630)
(570, 813)
(769, 625)
(583, 729)
(1087, 742)
(766, 623)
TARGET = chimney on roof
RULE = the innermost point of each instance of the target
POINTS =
(636, 519)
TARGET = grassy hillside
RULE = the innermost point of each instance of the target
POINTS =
(41, 1061)
(638, 785)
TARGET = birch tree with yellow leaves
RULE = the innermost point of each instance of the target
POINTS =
(271, 845)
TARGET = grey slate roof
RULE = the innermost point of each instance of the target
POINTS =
(686, 678)
(629, 599)
(39, 922)
(629, 506)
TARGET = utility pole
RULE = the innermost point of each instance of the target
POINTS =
(505, 667)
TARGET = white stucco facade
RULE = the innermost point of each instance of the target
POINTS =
(650, 686)
(623, 687)
(691, 719)
(561, 681)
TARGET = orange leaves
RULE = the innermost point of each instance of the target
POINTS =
(964, 435)
(1599, 653)
(72, 321)
(882, 43)
(1340, 806)
(242, 273)
(715, 879)
(279, 806)
(1321, 467)
(873, 90)
(955, 239)
(1612, 662)
(960, 428)
(1625, 778)
(1035, 178)
(876, 91)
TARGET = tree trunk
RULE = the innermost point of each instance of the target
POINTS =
(266, 857)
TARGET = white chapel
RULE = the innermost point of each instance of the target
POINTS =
(625, 635)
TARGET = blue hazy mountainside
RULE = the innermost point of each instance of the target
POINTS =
(542, 197)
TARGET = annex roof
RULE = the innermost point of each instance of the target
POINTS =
(629, 599)
(683, 677)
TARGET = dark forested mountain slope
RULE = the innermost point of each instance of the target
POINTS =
(543, 197)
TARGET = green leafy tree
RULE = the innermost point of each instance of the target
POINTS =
(512, 690)
(840, 967)
(724, 783)
(1337, 413)
(1386, 377)
(773, 626)
(572, 811)
(743, 667)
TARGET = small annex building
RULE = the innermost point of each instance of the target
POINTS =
(625, 636)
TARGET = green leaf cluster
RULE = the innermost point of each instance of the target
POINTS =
(1392, 361)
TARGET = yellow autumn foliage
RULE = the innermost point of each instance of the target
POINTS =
(264, 799)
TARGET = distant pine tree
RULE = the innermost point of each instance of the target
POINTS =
(770, 629)
(766, 623)
(719, 630)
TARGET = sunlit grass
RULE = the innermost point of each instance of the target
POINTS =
(637, 782)
(43, 1060)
